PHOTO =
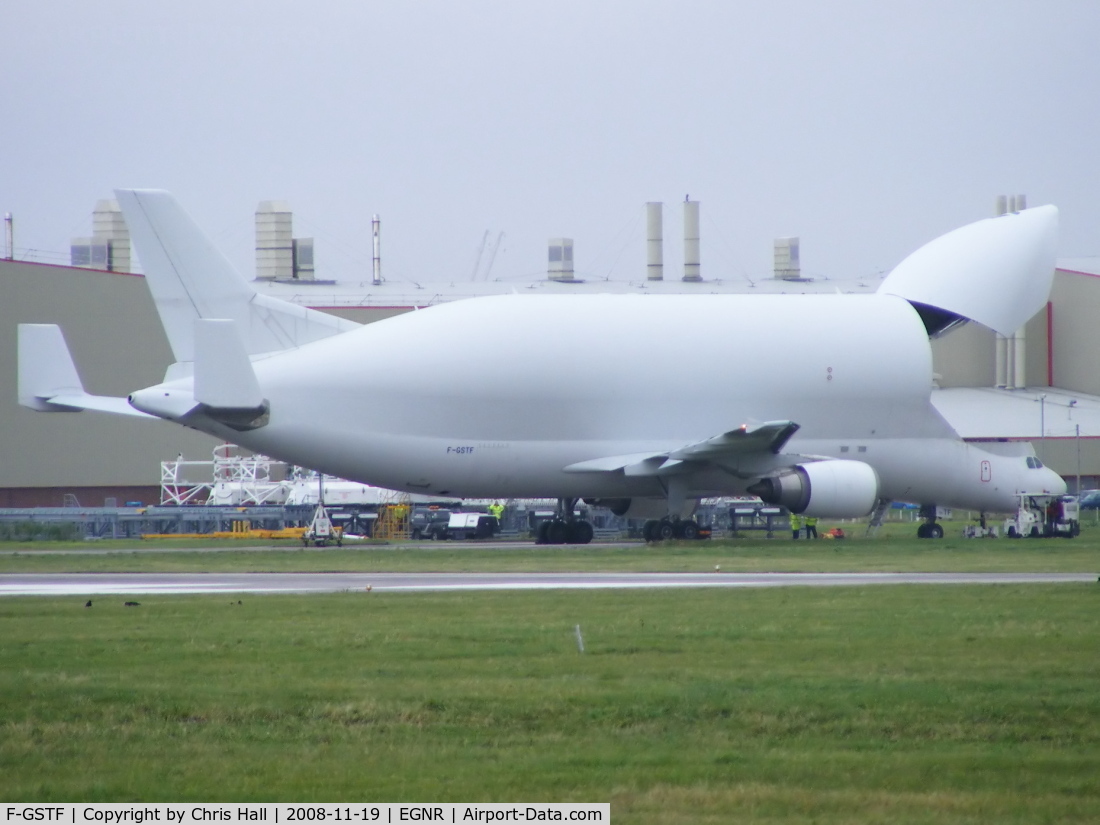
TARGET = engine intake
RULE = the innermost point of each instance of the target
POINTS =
(824, 489)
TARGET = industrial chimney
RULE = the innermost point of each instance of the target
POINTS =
(375, 226)
(655, 243)
(691, 240)
(1010, 352)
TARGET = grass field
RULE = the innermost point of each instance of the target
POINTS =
(896, 549)
(877, 704)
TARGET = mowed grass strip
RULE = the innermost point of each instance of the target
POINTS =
(895, 550)
(892, 703)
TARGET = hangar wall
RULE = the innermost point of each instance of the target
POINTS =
(1075, 299)
(964, 357)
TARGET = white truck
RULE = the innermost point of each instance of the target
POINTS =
(471, 526)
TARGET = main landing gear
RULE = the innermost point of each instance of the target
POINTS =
(670, 528)
(673, 526)
(929, 529)
(564, 527)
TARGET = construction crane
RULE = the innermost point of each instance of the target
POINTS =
(480, 252)
(493, 255)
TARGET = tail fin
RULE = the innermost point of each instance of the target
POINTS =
(191, 280)
(997, 272)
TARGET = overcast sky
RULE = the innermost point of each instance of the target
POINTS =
(865, 128)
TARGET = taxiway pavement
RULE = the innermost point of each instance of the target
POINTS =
(90, 584)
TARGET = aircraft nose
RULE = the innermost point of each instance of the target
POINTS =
(1055, 483)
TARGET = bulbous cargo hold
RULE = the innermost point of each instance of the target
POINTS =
(997, 271)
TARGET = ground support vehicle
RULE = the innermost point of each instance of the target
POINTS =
(321, 530)
(756, 515)
(664, 529)
(430, 524)
(471, 526)
(1042, 514)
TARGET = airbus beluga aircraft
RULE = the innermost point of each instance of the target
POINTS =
(822, 403)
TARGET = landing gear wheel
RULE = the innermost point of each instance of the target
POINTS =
(649, 531)
(665, 530)
(930, 530)
(580, 532)
(540, 537)
(689, 530)
(556, 532)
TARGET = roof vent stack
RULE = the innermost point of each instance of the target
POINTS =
(376, 227)
(691, 241)
(1010, 351)
(787, 266)
(1009, 204)
(109, 246)
(655, 244)
(274, 241)
(561, 259)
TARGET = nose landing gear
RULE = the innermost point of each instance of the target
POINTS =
(929, 529)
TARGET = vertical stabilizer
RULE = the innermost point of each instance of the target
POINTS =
(191, 280)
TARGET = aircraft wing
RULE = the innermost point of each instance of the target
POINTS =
(745, 441)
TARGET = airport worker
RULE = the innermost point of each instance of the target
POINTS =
(811, 528)
(1052, 516)
(796, 525)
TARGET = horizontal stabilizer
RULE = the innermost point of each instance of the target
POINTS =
(48, 380)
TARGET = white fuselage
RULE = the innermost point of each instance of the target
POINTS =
(495, 397)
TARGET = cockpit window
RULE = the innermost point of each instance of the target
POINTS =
(1034, 464)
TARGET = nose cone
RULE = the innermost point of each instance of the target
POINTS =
(1054, 483)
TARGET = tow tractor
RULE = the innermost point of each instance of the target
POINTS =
(1043, 514)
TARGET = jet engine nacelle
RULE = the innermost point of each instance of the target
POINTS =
(824, 489)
